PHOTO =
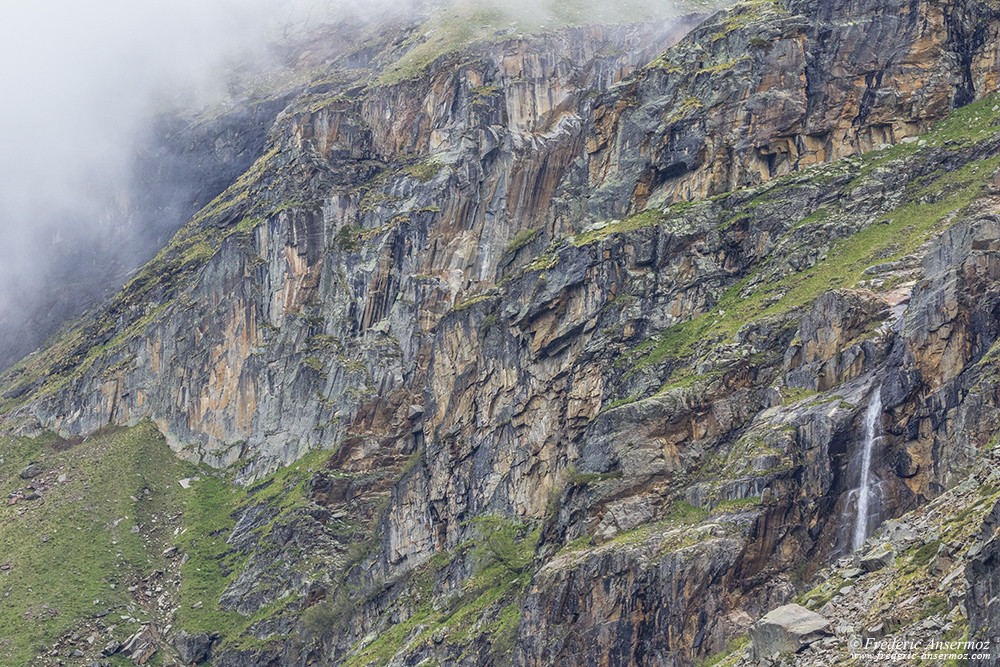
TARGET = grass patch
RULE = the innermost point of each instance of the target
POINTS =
(424, 171)
(924, 554)
(488, 604)
(790, 395)
(644, 219)
(725, 656)
(73, 554)
(469, 303)
(76, 545)
(523, 238)
(448, 31)
(685, 513)
(736, 505)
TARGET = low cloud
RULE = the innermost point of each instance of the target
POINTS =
(81, 80)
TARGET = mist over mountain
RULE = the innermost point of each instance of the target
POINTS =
(99, 96)
(83, 88)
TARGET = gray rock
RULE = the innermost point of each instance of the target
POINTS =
(787, 629)
(142, 645)
(192, 648)
(877, 558)
(32, 470)
(624, 516)
(898, 533)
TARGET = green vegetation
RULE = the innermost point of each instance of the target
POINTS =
(330, 613)
(313, 362)
(618, 403)
(766, 293)
(578, 544)
(470, 302)
(675, 342)
(466, 27)
(723, 66)
(790, 395)
(237, 193)
(72, 556)
(424, 171)
(816, 598)
(935, 604)
(523, 238)
(577, 478)
(958, 633)
(448, 31)
(488, 604)
(736, 505)
(744, 13)
(212, 564)
(686, 513)
(503, 544)
(481, 94)
(924, 554)
(728, 655)
(644, 219)
(689, 105)
(346, 238)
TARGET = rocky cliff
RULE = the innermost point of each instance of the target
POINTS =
(179, 166)
(548, 348)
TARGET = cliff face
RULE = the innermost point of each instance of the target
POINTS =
(348, 229)
(776, 87)
(576, 349)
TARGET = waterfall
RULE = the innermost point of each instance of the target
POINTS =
(866, 485)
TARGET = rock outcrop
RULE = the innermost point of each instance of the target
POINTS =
(982, 601)
(787, 629)
(583, 326)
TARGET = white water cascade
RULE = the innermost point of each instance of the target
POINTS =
(867, 484)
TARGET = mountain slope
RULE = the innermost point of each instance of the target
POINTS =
(577, 350)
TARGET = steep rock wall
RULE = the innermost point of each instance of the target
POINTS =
(670, 399)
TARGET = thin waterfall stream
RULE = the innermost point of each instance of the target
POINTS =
(867, 482)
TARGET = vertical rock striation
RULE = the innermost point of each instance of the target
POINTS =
(598, 302)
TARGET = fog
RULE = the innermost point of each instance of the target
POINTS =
(78, 82)
(81, 81)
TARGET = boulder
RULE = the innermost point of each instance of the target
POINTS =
(879, 557)
(192, 648)
(787, 629)
(142, 645)
(32, 470)
(898, 534)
